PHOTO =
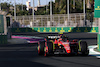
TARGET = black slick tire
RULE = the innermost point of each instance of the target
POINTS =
(84, 48)
(41, 46)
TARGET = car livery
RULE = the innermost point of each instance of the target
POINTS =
(62, 45)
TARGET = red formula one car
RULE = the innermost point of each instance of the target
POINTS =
(61, 45)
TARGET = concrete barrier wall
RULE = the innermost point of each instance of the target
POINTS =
(18, 30)
(55, 29)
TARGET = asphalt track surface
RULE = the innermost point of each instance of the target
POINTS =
(25, 55)
(91, 38)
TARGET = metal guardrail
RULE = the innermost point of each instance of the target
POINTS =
(58, 20)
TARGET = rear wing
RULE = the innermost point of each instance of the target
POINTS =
(53, 37)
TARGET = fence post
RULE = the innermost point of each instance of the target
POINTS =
(75, 18)
(58, 19)
(41, 22)
(64, 21)
(80, 19)
(23, 21)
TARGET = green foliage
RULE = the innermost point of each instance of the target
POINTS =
(42, 11)
(59, 7)
(6, 7)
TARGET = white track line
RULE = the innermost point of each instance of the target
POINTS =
(92, 52)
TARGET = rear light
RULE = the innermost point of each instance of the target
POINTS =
(75, 40)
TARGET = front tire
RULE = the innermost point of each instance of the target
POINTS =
(84, 48)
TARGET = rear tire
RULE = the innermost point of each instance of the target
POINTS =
(50, 46)
(50, 49)
(41, 45)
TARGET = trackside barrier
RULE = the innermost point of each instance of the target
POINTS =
(3, 39)
(18, 30)
(55, 29)
(98, 42)
(3, 27)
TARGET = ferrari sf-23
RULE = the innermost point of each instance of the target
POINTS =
(61, 45)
